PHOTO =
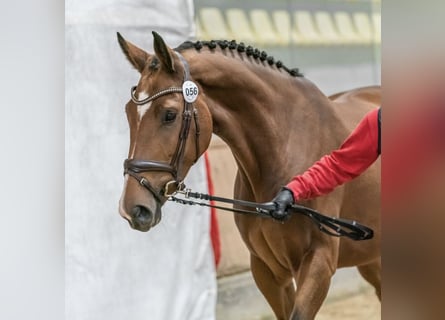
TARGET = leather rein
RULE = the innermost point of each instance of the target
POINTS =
(134, 167)
(333, 226)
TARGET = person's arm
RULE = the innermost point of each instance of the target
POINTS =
(355, 155)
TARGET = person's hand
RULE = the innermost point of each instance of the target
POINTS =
(283, 200)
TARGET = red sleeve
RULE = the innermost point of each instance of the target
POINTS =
(354, 156)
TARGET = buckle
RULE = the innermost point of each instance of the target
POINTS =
(171, 188)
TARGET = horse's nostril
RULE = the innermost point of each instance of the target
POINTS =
(142, 214)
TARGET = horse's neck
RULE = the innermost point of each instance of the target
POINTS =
(273, 123)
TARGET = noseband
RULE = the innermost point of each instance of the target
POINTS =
(134, 167)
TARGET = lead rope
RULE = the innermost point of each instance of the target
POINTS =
(332, 226)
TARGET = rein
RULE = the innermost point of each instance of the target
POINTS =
(332, 226)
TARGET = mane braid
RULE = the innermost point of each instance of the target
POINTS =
(240, 47)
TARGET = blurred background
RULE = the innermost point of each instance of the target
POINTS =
(337, 44)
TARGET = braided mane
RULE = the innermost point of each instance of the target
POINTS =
(240, 47)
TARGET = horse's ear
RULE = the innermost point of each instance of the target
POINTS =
(164, 53)
(136, 56)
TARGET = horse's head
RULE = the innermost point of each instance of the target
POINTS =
(170, 127)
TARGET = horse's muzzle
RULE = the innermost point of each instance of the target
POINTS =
(143, 219)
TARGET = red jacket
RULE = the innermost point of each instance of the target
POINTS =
(355, 155)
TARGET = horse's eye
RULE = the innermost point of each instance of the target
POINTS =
(169, 116)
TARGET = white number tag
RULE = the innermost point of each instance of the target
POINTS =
(190, 91)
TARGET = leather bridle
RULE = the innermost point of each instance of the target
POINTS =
(134, 167)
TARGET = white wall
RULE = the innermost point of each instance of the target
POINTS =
(112, 271)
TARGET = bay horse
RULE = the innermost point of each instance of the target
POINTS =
(277, 123)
